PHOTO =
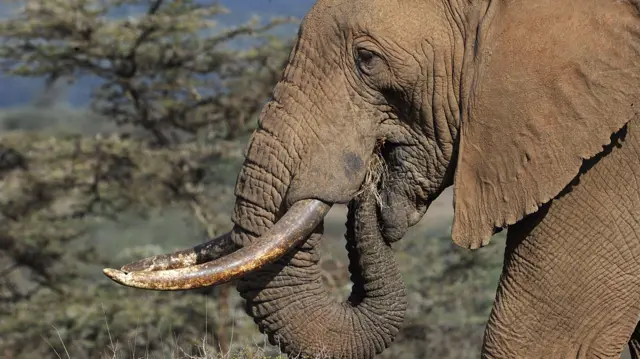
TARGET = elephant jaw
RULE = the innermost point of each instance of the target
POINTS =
(218, 261)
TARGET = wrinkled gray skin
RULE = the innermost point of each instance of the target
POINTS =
(505, 100)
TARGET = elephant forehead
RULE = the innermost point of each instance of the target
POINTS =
(392, 18)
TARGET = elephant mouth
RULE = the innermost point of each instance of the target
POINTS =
(219, 261)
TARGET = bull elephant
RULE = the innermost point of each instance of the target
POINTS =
(527, 108)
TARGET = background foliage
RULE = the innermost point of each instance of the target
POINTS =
(148, 168)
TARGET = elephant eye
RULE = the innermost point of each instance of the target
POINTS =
(366, 60)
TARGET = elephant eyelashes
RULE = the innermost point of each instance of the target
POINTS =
(367, 61)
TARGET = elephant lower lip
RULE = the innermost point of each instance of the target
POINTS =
(180, 270)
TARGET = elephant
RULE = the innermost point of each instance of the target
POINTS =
(527, 109)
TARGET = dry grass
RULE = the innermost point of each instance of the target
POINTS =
(204, 350)
(261, 350)
(376, 176)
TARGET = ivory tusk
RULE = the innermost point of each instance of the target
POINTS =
(292, 229)
(213, 249)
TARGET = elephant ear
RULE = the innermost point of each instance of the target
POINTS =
(554, 80)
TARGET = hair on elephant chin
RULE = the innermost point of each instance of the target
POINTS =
(375, 178)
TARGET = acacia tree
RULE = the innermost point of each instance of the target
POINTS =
(170, 76)
(165, 70)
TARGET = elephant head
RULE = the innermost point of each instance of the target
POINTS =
(502, 99)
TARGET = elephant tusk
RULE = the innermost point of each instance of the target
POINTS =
(208, 251)
(292, 229)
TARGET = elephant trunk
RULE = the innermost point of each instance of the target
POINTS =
(295, 309)
(273, 250)
(288, 299)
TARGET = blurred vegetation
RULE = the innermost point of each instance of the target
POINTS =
(149, 167)
(168, 70)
